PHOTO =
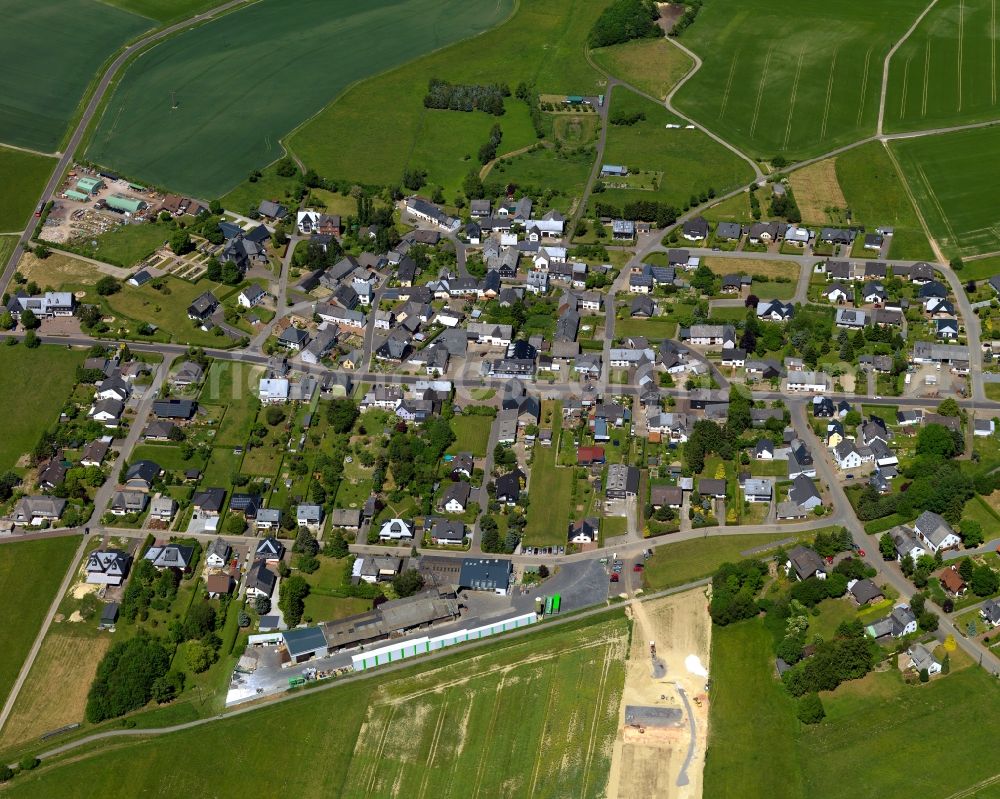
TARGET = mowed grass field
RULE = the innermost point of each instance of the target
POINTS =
(866, 745)
(36, 384)
(690, 161)
(946, 72)
(545, 168)
(384, 118)
(24, 176)
(876, 195)
(30, 572)
(472, 434)
(550, 489)
(954, 178)
(245, 80)
(52, 50)
(533, 716)
(791, 78)
(650, 65)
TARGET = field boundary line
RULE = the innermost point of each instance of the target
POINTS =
(961, 44)
(432, 751)
(760, 92)
(864, 85)
(598, 705)
(927, 77)
(888, 60)
(993, 52)
(791, 104)
(377, 758)
(932, 196)
(913, 201)
(729, 85)
(489, 735)
(906, 87)
(829, 94)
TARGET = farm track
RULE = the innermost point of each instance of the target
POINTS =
(791, 104)
(829, 94)
(927, 79)
(961, 46)
(879, 128)
(760, 92)
(864, 86)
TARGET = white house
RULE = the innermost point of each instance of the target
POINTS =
(806, 381)
(273, 390)
(847, 455)
(935, 533)
(396, 530)
(921, 658)
(250, 297)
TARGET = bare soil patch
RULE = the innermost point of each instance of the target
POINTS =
(816, 188)
(649, 763)
(669, 14)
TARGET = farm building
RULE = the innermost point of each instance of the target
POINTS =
(79, 196)
(126, 205)
(89, 185)
(304, 643)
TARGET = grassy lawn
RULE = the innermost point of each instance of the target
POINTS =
(565, 171)
(874, 191)
(550, 488)
(221, 467)
(320, 608)
(952, 182)
(246, 196)
(139, 119)
(690, 161)
(735, 209)
(385, 118)
(168, 456)
(169, 312)
(753, 266)
(945, 72)
(472, 434)
(676, 564)
(787, 79)
(655, 329)
(577, 665)
(651, 65)
(981, 268)
(43, 85)
(127, 245)
(744, 688)
(772, 468)
(992, 390)
(31, 572)
(45, 375)
(25, 174)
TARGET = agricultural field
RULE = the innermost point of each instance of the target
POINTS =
(46, 375)
(789, 79)
(818, 193)
(754, 266)
(141, 135)
(953, 178)
(435, 730)
(946, 72)
(41, 84)
(651, 65)
(31, 572)
(690, 162)
(876, 195)
(25, 175)
(869, 725)
(165, 10)
(384, 117)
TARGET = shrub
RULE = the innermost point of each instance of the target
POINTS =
(811, 709)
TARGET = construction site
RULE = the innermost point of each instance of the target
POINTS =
(663, 720)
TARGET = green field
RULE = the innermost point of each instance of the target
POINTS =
(946, 72)
(165, 10)
(25, 175)
(684, 561)
(125, 246)
(52, 51)
(689, 160)
(876, 196)
(31, 572)
(788, 77)
(550, 488)
(169, 312)
(534, 716)
(953, 178)
(650, 65)
(384, 118)
(36, 384)
(472, 434)
(566, 171)
(243, 91)
(865, 746)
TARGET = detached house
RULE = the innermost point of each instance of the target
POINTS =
(935, 533)
(805, 563)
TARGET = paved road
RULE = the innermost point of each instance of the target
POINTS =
(68, 156)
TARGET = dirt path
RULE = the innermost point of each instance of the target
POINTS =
(490, 164)
(652, 763)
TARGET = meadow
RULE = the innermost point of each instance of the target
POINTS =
(874, 191)
(551, 488)
(789, 78)
(36, 384)
(946, 72)
(651, 65)
(30, 571)
(532, 716)
(239, 120)
(565, 171)
(866, 745)
(51, 52)
(472, 434)
(24, 175)
(384, 117)
(690, 161)
(953, 178)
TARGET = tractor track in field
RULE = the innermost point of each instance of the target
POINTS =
(791, 102)
(864, 86)
(829, 94)
(760, 92)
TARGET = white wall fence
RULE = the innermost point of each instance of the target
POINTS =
(423, 645)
